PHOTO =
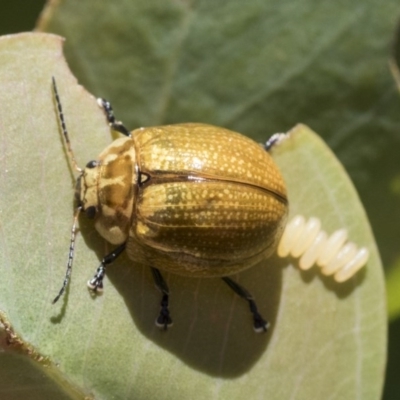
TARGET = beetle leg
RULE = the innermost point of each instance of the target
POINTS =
(276, 138)
(96, 283)
(164, 320)
(115, 125)
(259, 324)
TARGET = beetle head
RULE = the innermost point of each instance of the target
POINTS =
(105, 190)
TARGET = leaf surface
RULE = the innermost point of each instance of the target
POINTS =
(326, 341)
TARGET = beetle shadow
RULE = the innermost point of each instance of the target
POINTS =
(212, 329)
(57, 319)
(342, 290)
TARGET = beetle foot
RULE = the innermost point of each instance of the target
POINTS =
(260, 325)
(96, 283)
(164, 320)
(275, 139)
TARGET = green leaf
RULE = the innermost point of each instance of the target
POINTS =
(35, 188)
(327, 340)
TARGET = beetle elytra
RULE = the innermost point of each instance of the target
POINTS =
(191, 199)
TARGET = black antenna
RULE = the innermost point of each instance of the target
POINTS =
(64, 128)
(70, 256)
(79, 208)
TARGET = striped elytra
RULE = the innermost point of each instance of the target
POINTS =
(192, 199)
(214, 202)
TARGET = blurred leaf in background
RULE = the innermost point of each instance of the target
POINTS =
(393, 275)
(19, 15)
(392, 386)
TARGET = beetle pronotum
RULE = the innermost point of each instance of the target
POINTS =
(191, 199)
(332, 254)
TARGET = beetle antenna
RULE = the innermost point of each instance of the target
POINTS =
(70, 255)
(63, 127)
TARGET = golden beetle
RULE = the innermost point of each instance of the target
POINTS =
(191, 199)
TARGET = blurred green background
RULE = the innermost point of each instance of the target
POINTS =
(20, 16)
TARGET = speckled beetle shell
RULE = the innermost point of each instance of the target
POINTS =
(191, 199)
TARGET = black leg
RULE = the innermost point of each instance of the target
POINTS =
(164, 320)
(115, 125)
(96, 283)
(259, 324)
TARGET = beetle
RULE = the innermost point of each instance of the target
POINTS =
(190, 199)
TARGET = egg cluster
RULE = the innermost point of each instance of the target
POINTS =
(333, 254)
